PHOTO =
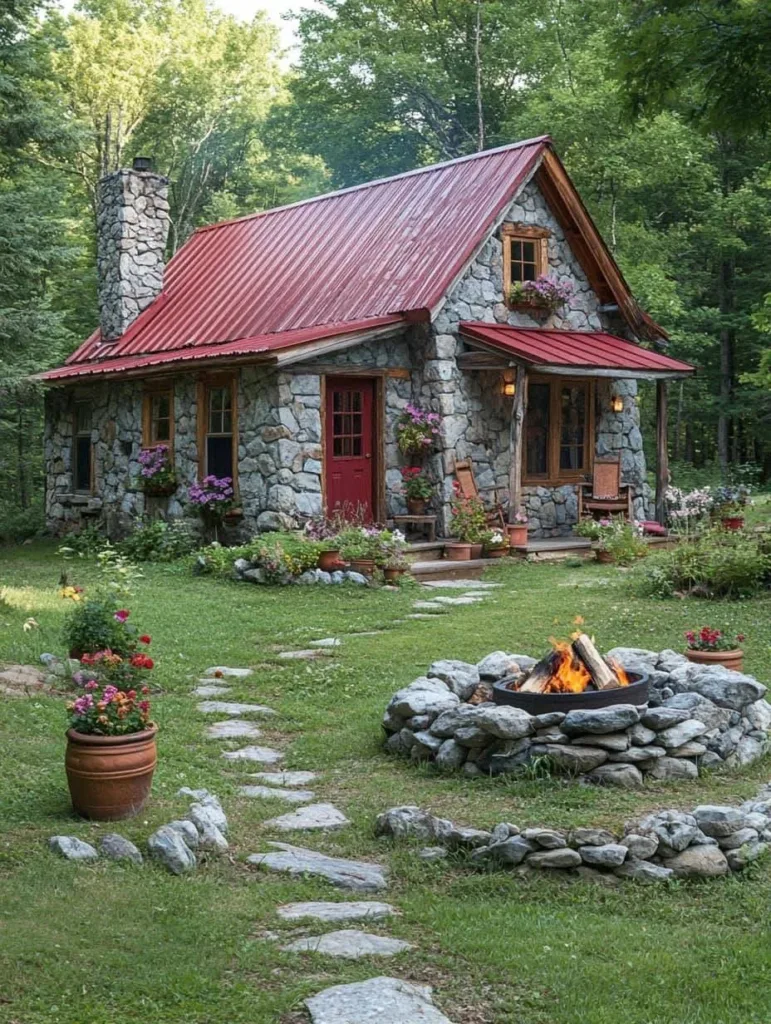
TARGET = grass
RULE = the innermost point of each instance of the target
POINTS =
(105, 944)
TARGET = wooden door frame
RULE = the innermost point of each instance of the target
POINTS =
(378, 437)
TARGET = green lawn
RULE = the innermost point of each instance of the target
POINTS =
(103, 944)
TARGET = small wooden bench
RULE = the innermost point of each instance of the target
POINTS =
(426, 523)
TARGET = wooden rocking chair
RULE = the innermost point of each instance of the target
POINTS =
(494, 514)
(608, 495)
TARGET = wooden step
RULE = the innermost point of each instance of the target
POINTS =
(556, 549)
(424, 551)
(447, 570)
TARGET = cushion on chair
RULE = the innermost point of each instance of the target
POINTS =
(652, 528)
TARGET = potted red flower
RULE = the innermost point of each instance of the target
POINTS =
(468, 525)
(517, 530)
(712, 647)
(417, 490)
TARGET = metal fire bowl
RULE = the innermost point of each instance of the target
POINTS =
(544, 703)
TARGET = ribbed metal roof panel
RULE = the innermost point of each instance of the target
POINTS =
(388, 246)
(581, 349)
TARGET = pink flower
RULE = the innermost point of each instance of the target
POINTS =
(92, 685)
(121, 615)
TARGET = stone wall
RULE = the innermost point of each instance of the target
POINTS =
(132, 227)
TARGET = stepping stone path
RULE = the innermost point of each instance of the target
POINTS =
(421, 615)
(264, 754)
(428, 606)
(375, 1001)
(311, 817)
(289, 796)
(225, 707)
(460, 585)
(307, 655)
(232, 728)
(210, 691)
(463, 599)
(285, 778)
(349, 943)
(327, 911)
(223, 672)
(360, 876)
(329, 641)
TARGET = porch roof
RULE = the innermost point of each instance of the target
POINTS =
(580, 353)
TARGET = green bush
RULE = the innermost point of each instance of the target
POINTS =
(91, 626)
(278, 553)
(17, 524)
(717, 564)
(159, 540)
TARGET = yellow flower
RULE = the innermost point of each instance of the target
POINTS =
(70, 593)
(30, 624)
(579, 620)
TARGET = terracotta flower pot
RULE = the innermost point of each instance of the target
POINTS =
(517, 533)
(328, 560)
(476, 550)
(458, 551)
(605, 557)
(728, 659)
(417, 506)
(732, 522)
(393, 575)
(366, 566)
(499, 552)
(110, 776)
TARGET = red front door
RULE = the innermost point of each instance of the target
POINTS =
(348, 446)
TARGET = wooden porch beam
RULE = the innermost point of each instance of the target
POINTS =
(516, 435)
(662, 451)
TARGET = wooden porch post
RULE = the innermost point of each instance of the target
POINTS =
(662, 452)
(516, 433)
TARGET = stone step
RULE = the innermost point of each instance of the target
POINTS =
(425, 551)
(361, 876)
(446, 570)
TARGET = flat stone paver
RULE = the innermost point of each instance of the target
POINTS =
(289, 796)
(375, 1001)
(360, 876)
(421, 615)
(285, 778)
(460, 585)
(226, 707)
(313, 816)
(307, 655)
(349, 943)
(325, 910)
(232, 728)
(428, 606)
(370, 632)
(266, 755)
(463, 599)
(210, 691)
(222, 671)
(328, 641)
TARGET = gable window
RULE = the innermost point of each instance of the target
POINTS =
(82, 449)
(158, 418)
(218, 431)
(558, 430)
(525, 253)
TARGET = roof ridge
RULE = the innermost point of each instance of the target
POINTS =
(545, 139)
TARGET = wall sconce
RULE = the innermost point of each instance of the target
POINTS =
(617, 403)
(509, 388)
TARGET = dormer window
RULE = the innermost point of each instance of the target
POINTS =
(525, 254)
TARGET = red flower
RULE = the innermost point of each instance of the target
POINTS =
(121, 615)
(144, 639)
(740, 637)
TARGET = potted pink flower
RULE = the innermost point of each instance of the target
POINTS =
(517, 530)
(708, 646)
(417, 431)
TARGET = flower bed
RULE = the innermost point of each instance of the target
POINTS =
(697, 717)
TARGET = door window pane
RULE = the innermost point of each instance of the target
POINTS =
(347, 424)
(537, 430)
(219, 456)
(160, 418)
(573, 426)
(220, 411)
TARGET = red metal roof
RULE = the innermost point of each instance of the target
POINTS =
(385, 247)
(573, 349)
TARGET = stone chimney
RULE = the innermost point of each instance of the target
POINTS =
(132, 225)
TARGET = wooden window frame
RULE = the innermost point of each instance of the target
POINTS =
(555, 476)
(512, 232)
(205, 386)
(76, 435)
(147, 416)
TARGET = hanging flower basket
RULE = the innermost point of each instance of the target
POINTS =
(541, 297)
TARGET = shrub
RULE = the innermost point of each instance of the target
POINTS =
(97, 624)
(468, 517)
(158, 540)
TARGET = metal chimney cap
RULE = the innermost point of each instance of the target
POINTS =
(142, 163)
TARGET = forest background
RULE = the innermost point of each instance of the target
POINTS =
(660, 109)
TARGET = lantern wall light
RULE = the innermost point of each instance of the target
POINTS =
(509, 388)
(617, 403)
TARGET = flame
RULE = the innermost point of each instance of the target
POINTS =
(620, 671)
(569, 676)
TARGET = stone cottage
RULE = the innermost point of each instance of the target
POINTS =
(279, 350)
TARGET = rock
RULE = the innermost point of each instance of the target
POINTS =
(450, 755)
(468, 837)
(461, 677)
(669, 660)
(168, 846)
(210, 691)
(748, 750)
(194, 794)
(375, 1001)
(675, 829)
(702, 709)
(546, 838)
(349, 943)
(448, 723)
(548, 719)
(211, 838)
(431, 853)
(667, 768)
(116, 847)
(502, 831)
(664, 717)
(590, 837)
(263, 754)
(327, 641)
(575, 760)
(289, 796)
(428, 606)
(72, 849)
(506, 723)
(699, 862)
(640, 847)
(421, 699)
(723, 687)
(625, 776)
(224, 707)
(232, 728)
(25, 680)
(719, 821)
(614, 741)
(632, 656)
(356, 577)
(748, 852)
(551, 735)
(737, 839)
(691, 749)
(429, 743)
(759, 715)
(360, 876)
(587, 874)
(187, 830)
(565, 858)
(325, 911)
(608, 856)
(313, 816)
(410, 821)
(222, 671)
(636, 755)
(285, 778)
(600, 721)
(308, 654)
(643, 871)
(512, 850)
(208, 815)
(641, 735)
(677, 735)
(498, 665)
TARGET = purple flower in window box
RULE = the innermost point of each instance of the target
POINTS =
(157, 470)
(546, 293)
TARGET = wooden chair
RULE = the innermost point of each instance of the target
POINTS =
(494, 514)
(608, 495)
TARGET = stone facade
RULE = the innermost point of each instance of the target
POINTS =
(132, 227)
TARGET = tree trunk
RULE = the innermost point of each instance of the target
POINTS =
(20, 454)
(478, 74)
(678, 425)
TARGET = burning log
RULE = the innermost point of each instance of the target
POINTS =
(573, 668)
(603, 676)
(542, 674)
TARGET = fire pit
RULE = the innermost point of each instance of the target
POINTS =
(573, 676)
